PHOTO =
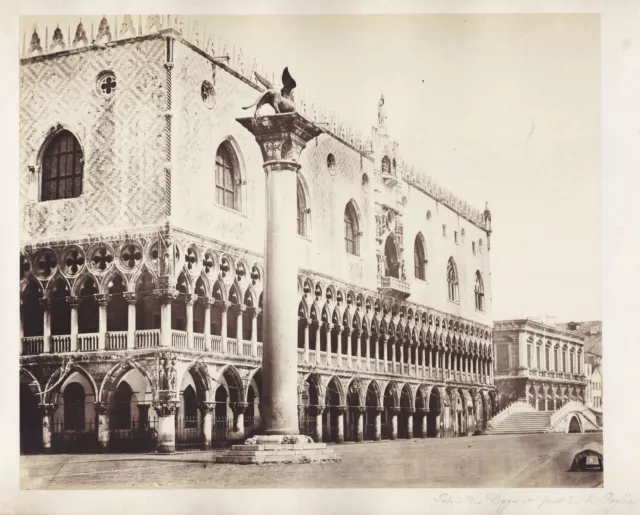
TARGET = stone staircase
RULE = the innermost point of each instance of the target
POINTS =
(523, 422)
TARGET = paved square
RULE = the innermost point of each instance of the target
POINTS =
(540, 460)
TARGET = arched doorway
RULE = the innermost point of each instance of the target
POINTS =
(331, 413)
(352, 414)
(421, 407)
(30, 419)
(435, 407)
(403, 415)
(371, 403)
(389, 405)
(221, 422)
(574, 425)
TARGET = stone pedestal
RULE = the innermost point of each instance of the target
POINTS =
(103, 425)
(281, 139)
(206, 409)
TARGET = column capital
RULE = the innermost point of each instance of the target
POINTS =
(394, 409)
(101, 408)
(255, 312)
(45, 302)
(341, 409)
(238, 309)
(320, 409)
(224, 305)
(239, 408)
(102, 298)
(281, 138)
(379, 409)
(48, 409)
(206, 301)
(166, 296)
(207, 407)
(166, 408)
(130, 297)
(73, 301)
(328, 326)
(411, 411)
(190, 299)
(308, 321)
(361, 409)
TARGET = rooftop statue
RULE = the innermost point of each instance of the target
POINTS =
(281, 101)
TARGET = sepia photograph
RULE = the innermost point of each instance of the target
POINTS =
(310, 251)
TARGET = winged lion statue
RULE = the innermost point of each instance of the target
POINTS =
(282, 101)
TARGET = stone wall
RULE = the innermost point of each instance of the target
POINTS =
(121, 135)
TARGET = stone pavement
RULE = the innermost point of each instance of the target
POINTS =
(540, 460)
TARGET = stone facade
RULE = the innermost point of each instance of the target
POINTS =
(148, 292)
(541, 364)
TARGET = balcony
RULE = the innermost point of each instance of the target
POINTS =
(394, 287)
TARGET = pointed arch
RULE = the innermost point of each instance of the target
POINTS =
(61, 160)
(232, 378)
(352, 230)
(230, 175)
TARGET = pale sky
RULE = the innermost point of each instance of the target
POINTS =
(497, 108)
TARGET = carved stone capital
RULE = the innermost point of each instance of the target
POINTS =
(238, 309)
(45, 302)
(224, 305)
(48, 409)
(102, 298)
(281, 137)
(411, 411)
(206, 301)
(394, 410)
(100, 408)
(361, 409)
(190, 299)
(341, 409)
(320, 409)
(255, 312)
(239, 408)
(379, 409)
(207, 407)
(166, 296)
(73, 301)
(130, 297)
(166, 408)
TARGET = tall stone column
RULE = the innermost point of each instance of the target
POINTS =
(377, 353)
(103, 424)
(206, 412)
(132, 299)
(166, 411)
(206, 302)
(319, 412)
(400, 343)
(238, 409)
(307, 327)
(281, 139)
(240, 309)
(385, 353)
(377, 435)
(166, 297)
(360, 427)
(394, 361)
(423, 423)
(224, 309)
(48, 410)
(46, 324)
(103, 301)
(339, 340)
(394, 422)
(189, 301)
(255, 312)
(367, 342)
(340, 411)
(317, 330)
(73, 304)
(411, 411)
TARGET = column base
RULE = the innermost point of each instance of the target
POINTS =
(278, 449)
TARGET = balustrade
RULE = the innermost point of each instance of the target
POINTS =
(88, 342)
(116, 340)
(232, 346)
(260, 350)
(61, 343)
(199, 341)
(147, 338)
(246, 348)
(216, 343)
(179, 339)
(33, 345)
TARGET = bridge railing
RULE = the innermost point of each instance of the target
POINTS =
(515, 407)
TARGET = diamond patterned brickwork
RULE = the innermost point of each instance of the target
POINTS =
(121, 135)
(197, 133)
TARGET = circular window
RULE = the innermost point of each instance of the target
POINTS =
(365, 182)
(208, 94)
(106, 84)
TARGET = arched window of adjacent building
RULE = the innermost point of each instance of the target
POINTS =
(452, 280)
(73, 407)
(227, 177)
(62, 166)
(351, 230)
(479, 292)
(419, 257)
(303, 210)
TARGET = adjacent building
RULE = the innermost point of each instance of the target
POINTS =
(142, 260)
(540, 363)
